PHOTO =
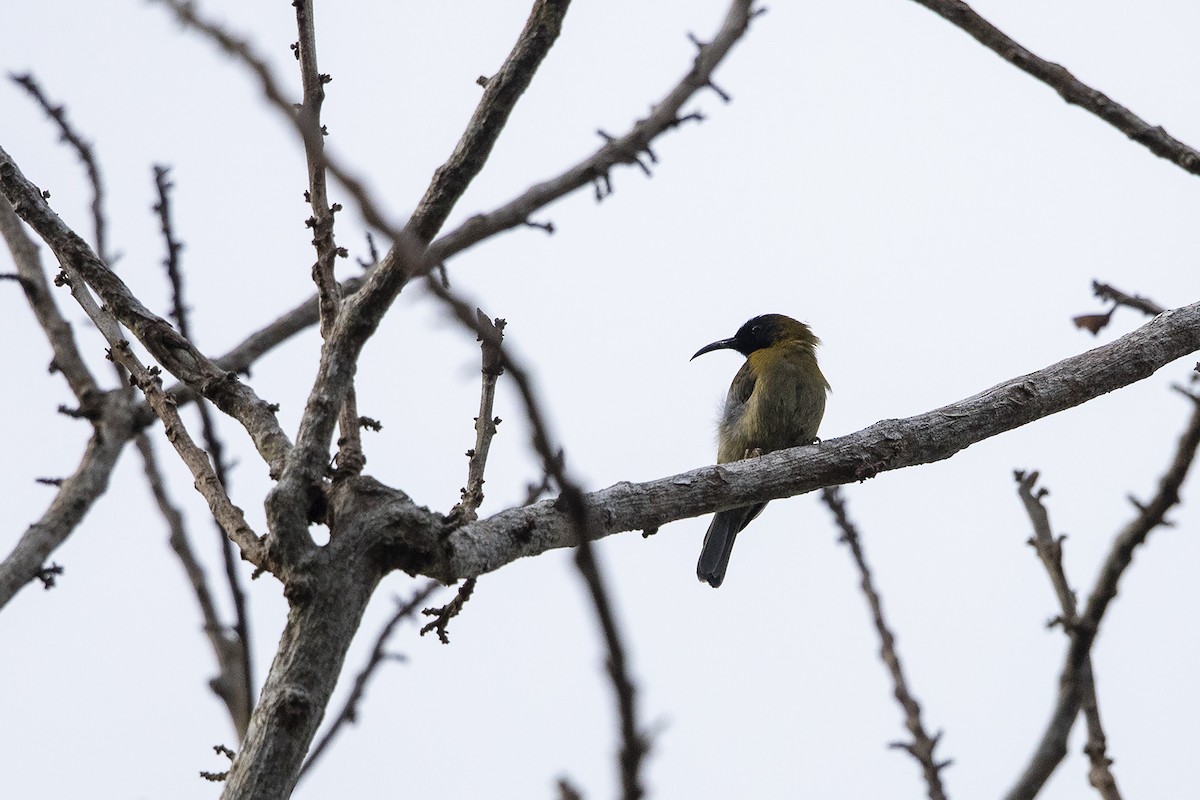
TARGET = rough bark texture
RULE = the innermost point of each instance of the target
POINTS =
(889, 444)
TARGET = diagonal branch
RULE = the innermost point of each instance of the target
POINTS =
(1053, 746)
(1072, 90)
(238, 690)
(230, 684)
(922, 746)
(78, 264)
(488, 544)
(32, 277)
(500, 96)
(75, 497)
(84, 150)
(1049, 551)
(664, 115)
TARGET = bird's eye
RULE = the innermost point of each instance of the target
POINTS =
(756, 330)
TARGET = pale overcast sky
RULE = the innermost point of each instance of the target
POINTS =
(936, 215)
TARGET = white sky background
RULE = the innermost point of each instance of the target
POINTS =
(936, 215)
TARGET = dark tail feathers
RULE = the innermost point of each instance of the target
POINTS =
(718, 542)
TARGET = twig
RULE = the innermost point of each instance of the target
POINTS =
(379, 654)
(1053, 746)
(215, 449)
(1144, 304)
(83, 148)
(491, 336)
(1094, 323)
(443, 614)
(571, 499)
(350, 459)
(240, 49)
(1072, 90)
(74, 499)
(32, 278)
(230, 684)
(1049, 550)
(922, 746)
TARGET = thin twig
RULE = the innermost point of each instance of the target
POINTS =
(1094, 323)
(379, 654)
(186, 13)
(664, 116)
(32, 277)
(1049, 551)
(212, 441)
(443, 614)
(350, 459)
(634, 744)
(922, 745)
(1053, 746)
(1070, 88)
(75, 497)
(230, 684)
(83, 149)
(491, 336)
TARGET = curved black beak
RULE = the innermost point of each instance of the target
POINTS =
(724, 344)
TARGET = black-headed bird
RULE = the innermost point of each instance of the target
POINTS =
(776, 401)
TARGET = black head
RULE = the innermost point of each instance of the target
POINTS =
(762, 332)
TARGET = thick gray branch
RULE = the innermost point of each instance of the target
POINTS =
(890, 444)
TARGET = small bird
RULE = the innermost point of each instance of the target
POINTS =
(776, 401)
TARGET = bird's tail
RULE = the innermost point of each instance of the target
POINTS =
(718, 542)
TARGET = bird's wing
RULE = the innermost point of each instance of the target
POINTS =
(742, 386)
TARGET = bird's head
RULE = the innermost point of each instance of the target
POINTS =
(762, 332)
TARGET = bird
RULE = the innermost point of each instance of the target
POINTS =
(776, 401)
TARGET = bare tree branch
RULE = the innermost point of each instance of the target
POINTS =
(241, 705)
(1070, 88)
(1049, 550)
(32, 278)
(75, 497)
(491, 336)
(1143, 304)
(575, 507)
(240, 49)
(500, 95)
(230, 684)
(1053, 746)
(443, 614)
(1094, 323)
(173, 351)
(490, 543)
(350, 459)
(78, 264)
(83, 148)
(379, 654)
(664, 115)
(922, 746)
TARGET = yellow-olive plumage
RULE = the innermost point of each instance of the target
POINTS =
(776, 401)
